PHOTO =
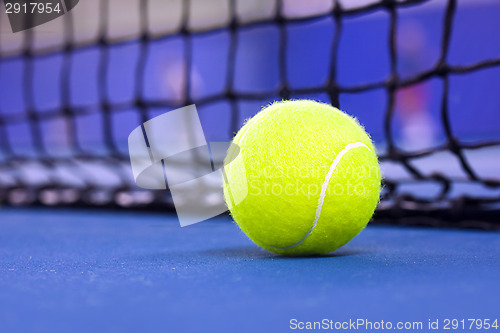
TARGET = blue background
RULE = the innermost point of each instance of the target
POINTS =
(363, 58)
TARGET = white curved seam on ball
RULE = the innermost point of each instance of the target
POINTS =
(324, 187)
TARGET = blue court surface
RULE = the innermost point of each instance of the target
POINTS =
(91, 271)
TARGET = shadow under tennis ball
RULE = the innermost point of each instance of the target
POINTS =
(255, 252)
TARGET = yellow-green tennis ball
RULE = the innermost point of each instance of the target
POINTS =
(305, 179)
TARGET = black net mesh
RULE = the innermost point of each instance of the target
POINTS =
(36, 169)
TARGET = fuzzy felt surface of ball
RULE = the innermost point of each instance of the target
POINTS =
(307, 179)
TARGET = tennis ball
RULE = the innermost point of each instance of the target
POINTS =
(306, 179)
